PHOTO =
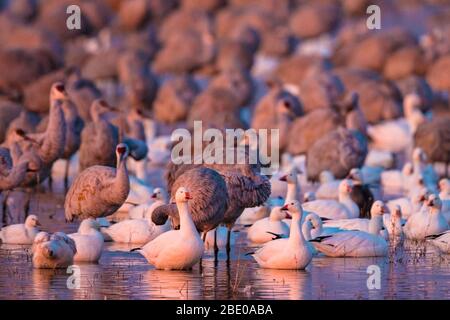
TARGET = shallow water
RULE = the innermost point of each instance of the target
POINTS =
(407, 274)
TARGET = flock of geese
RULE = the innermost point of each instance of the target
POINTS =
(206, 201)
(348, 102)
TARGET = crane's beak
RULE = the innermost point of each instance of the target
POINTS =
(288, 216)
(285, 207)
(188, 196)
(283, 178)
(153, 196)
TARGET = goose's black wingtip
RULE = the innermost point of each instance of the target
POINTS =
(135, 249)
(319, 239)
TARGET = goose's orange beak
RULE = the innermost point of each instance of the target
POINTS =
(188, 196)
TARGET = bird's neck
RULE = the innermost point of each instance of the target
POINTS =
(187, 226)
(292, 192)
(306, 230)
(296, 235)
(375, 224)
(122, 182)
(344, 197)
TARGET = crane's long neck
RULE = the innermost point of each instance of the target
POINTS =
(122, 181)
(296, 235)
(292, 192)
(55, 138)
(187, 226)
(375, 224)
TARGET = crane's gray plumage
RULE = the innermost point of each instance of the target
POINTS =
(209, 198)
(339, 151)
(98, 139)
(433, 138)
(99, 191)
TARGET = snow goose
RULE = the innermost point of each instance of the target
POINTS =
(251, 215)
(353, 243)
(397, 180)
(441, 241)
(136, 231)
(345, 208)
(361, 224)
(259, 231)
(290, 253)
(176, 249)
(88, 241)
(402, 129)
(293, 187)
(424, 170)
(408, 205)
(444, 188)
(23, 233)
(393, 224)
(329, 186)
(159, 197)
(51, 252)
(427, 221)
(318, 228)
(99, 191)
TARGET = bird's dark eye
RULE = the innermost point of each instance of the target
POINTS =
(287, 104)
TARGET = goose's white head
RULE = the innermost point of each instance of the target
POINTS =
(378, 209)
(122, 151)
(421, 196)
(309, 196)
(291, 177)
(407, 169)
(411, 102)
(355, 174)
(444, 185)
(182, 195)
(315, 220)
(32, 221)
(294, 208)
(346, 186)
(396, 213)
(58, 91)
(434, 202)
(87, 225)
(277, 214)
(326, 176)
(41, 237)
(419, 155)
(158, 194)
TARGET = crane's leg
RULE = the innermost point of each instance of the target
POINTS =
(66, 174)
(216, 248)
(228, 243)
